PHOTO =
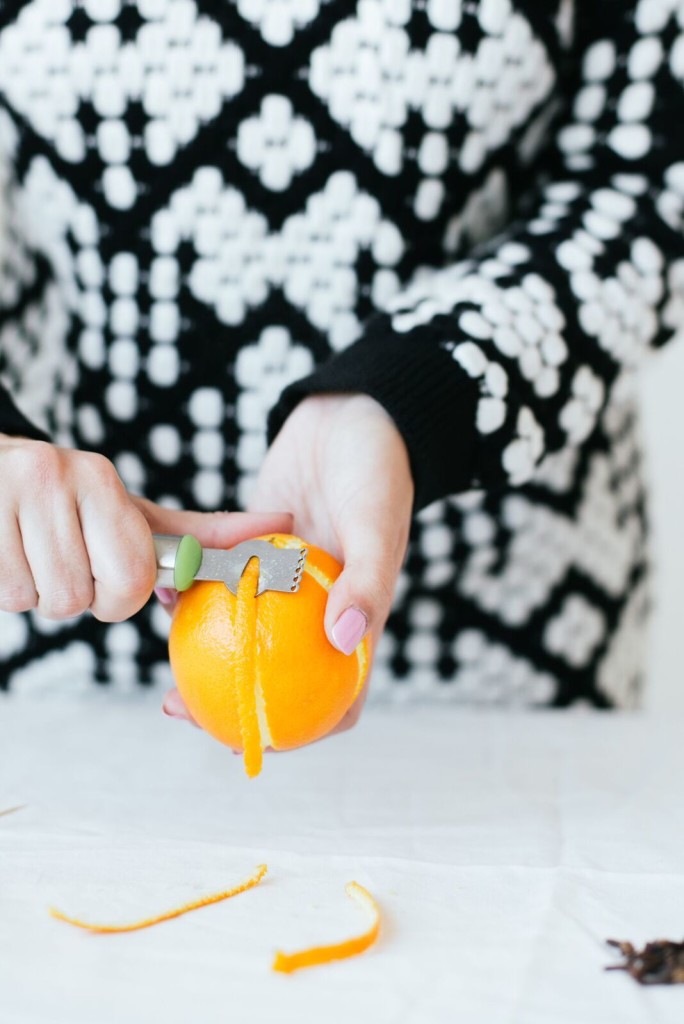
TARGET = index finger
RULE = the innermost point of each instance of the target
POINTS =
(213, 529)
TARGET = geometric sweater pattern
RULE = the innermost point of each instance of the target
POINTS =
(470, 210)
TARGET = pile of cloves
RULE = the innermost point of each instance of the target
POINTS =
(658, 963)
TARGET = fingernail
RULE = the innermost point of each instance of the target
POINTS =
(165, 596)
(173, 705)
(348, 631)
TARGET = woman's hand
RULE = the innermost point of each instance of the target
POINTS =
(341, 467)
(75, 540)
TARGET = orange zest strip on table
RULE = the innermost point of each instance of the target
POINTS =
(106, 929)
(12, 810)
(289, 962)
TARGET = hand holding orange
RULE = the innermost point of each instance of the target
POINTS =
(260, 671)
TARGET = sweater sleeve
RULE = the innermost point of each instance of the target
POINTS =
(490, 364)
(13, 421)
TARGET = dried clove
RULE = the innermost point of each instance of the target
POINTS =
(658, 963)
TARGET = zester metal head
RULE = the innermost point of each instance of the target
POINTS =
(280, 569)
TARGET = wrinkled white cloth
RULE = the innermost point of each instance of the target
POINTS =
(503, 849)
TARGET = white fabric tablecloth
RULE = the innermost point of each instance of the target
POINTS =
(503, 848)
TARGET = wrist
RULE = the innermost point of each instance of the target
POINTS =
(357, 401)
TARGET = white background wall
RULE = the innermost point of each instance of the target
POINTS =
(663, 397)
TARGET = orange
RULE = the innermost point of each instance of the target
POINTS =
(259, 672)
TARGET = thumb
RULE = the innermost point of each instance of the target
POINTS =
(359, 602)
(213, 529)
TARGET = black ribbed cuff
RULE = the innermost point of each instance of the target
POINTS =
(429, 397)
(14, 423)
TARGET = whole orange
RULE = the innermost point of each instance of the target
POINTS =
(260, 671)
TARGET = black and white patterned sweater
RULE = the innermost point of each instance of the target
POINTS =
(469, 209)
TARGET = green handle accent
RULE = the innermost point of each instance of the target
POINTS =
(187, 563)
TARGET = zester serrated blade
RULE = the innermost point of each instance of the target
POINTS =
(279, 568)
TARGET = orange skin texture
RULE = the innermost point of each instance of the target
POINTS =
(220, 650)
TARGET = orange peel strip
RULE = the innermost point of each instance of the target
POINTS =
(245, 669)
(107, 929)
(289, 962)
(12, 810)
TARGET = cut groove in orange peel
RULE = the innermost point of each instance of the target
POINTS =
(289, 962)
(107, 929)
(245, 668)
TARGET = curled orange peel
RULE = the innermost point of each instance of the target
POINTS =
(289, 962)
(107, 929)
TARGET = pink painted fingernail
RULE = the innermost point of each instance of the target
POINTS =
(349, 629)
(165, 596)
(173, 705)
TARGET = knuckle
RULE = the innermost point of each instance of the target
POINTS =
(381, 585)
(43, 463)
(140, 583)
(127, 579)
(124, 597)
(66, 602)
(17, 596)
(138, 572)
(371, 590)
(98, 469)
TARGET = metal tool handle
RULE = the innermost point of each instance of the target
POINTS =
(178, 560)
(181, 560)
